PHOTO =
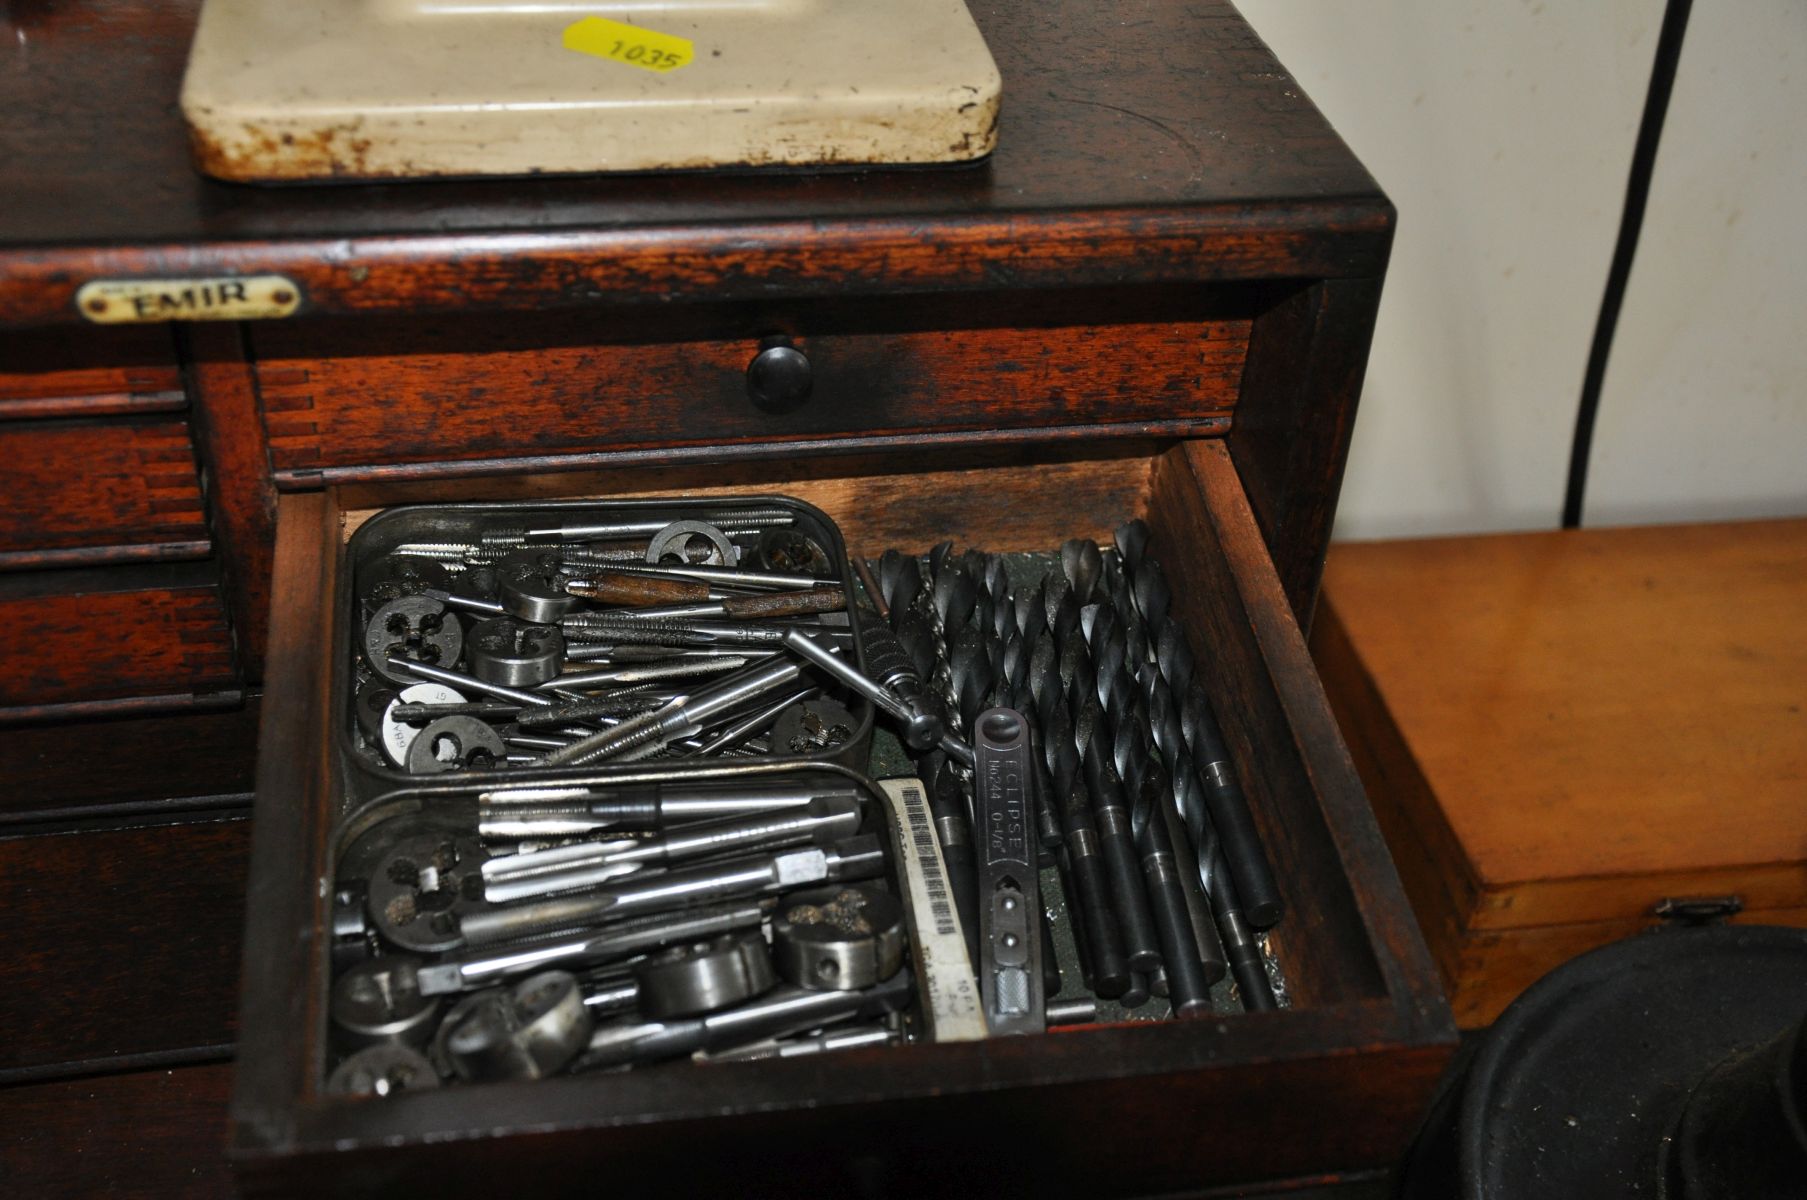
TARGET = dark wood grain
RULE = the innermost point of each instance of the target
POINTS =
(1142, 153)
(151, 1134)
(88, 768)
(1307, 356)
(64, 371)
(116, 489)
(119, 942)
(282, 1001)
(1322, 942)
(120, 632)
(464, 388)
(230, 439)
(1278, 724)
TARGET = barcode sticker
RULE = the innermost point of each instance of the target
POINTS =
(956, 1014)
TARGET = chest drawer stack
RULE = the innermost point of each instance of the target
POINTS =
(1153, 302)
(105, 553)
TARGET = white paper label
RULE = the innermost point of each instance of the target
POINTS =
(955, 1013)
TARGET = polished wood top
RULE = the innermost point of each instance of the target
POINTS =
(1598, 703)
(1144, 140)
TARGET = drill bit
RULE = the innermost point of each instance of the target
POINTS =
(1187, 985)
(1229, 809)
(954, 596)
(1082, 562)
(1131, 538)
(899, 580)
(1116, 843)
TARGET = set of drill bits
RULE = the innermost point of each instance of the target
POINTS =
(1139, 817)
(610, 634)
(713, 918)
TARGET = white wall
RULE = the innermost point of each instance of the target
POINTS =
(1503, 131)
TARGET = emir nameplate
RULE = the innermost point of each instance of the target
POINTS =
(220, 298)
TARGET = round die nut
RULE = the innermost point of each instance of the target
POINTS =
(675, 540)
(687, 981)
(532, 1030)
(413, 627)
(382, 1070)
(379, 1001)
(533, 586)
(455, 744)
(373, 699)
(418, 889)
(396, 575)
(515, 653)
(792, 552)
(838, 939)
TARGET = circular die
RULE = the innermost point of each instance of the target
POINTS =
(812, 728)
(455, 744)
(533, 586)
(379, 1000)
(687, 981)
(787, 550)
(372, 702)
(839, 939)
(421, 886)
(396, 736)
(395, 575)
(516, 653)
(528, 1032)
(481, 582)
(674, 542)
(382, 1071)
(413, 627)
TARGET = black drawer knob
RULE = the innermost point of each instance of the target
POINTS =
(779, 377)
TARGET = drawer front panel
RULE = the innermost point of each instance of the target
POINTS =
(446, 397)
(118, 488)
(84, 371)
(102, 641)
(122, 942)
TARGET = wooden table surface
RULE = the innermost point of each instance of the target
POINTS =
(1596, 703)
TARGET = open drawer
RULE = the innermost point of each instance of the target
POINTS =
(1335, 1082)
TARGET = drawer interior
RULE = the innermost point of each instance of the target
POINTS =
(1360, 982)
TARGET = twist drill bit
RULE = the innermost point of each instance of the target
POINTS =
(1174, 657)
(899, 580)
(1082, 563)
(1003, 605)
(939, 555)
(1229, 809)
(1187, 986)
(1116, 842)
(1131, 538)
(1239, 942)
(954, 596)
(1061, 609)
(971, 675)
(1044, 677)
(1153, 598)
(1031, 612)
(917, 637)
